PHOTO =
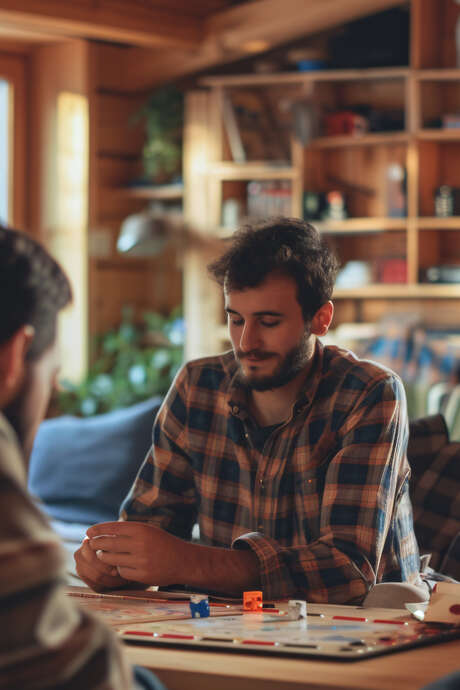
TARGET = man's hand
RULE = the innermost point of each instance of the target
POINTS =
(94, 572)
(138, 552)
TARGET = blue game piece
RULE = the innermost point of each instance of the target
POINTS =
(199, 606)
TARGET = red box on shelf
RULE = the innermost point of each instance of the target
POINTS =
(344, 122)
(393, 271)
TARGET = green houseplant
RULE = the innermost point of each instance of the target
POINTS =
(163, 115)
(134, 362)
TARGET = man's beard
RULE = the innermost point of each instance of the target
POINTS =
(287, 369)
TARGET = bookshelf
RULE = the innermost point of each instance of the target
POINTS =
(423, 92)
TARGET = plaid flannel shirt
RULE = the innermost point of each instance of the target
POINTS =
(325, 507)
(46, 641)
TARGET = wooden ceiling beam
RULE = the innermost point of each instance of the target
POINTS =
(228, 32)
(109, 20)
(279, 22)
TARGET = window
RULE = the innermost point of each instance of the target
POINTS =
(13, 141)
(68, 243)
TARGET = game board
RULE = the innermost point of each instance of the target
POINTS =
(118, 610)
(328, 631)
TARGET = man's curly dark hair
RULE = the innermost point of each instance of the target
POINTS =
(286, 246)
(33, 289)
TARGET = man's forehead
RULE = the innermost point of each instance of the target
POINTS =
(260, 301)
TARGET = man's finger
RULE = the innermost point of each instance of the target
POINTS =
(115, 544)
(87, 554)
(132, 574)
(88, 562)
(117, 559)
(104, 528)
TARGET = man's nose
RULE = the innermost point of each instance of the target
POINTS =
(249, 338)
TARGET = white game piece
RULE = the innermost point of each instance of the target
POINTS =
(296, 609)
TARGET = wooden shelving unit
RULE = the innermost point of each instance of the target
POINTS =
(282, 78)
(400, 291)
(425, 91)
(360, 140)
(433, 223)
(363, 225)
(439, 134)
(252, 171)
(170, 192)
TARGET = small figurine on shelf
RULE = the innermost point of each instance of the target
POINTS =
(335, 206)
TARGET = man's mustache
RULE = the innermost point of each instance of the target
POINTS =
(258, 354)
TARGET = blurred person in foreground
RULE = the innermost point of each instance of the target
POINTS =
(46, 641)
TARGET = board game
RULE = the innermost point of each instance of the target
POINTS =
(336, 632)
(139, 607)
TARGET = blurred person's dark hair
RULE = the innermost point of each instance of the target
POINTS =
(285, 246)
(33, 289)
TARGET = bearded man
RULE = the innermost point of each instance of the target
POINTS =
(290, 455)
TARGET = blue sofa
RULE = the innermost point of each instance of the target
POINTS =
(82, 468)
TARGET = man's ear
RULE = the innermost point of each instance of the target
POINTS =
(322, 319)
(12, 359)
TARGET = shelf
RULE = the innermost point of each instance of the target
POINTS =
(401, 291)
(434, 223)
(371, 225)
(372, 139)
(312, 76)
(162, 192)
(439, 134)
(252, 171)
(438, 74)
(360, 225)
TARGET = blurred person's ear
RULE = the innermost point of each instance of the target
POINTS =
(12, 362)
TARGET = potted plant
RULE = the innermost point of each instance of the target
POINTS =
(134, 361)
(163, 115)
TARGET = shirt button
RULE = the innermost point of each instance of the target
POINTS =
(246, 435)
(235, 409)
(260, 528)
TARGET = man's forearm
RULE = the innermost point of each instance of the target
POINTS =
(230, 571)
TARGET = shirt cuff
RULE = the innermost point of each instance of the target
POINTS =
(275, 578)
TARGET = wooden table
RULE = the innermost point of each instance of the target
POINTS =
(203, 670)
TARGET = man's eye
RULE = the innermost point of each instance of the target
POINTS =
(270, 324)
(236, 322)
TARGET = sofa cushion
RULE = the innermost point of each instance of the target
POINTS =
(426, 438)
(82, 468)
(451, 562)
(435, 493)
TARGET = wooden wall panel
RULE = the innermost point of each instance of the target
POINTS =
(116, 130)
(115, 280)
